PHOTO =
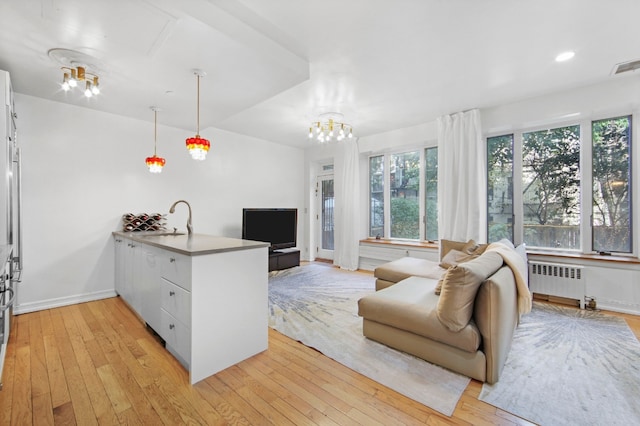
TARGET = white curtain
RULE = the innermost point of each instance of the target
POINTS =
(462, 177)
(347, 207)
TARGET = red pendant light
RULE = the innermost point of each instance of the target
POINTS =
(197, 146)
(155, 163)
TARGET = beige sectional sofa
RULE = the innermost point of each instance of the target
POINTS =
(469, 327)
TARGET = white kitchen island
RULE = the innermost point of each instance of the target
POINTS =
(206, 296)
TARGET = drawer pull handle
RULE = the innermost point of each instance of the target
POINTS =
(172, 293)
(172, 260)
(171, 326)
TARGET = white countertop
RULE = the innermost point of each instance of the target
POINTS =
(194, 245)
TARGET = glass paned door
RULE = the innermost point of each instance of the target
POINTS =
(326, 217)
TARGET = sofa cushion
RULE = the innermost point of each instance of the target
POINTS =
(411, 305)
(406, 267)
(459, 287)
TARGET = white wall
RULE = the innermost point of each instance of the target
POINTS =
(83, 169)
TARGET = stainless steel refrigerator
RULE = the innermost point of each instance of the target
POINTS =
(10, 213)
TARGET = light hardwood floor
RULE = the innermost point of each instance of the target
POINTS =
(96, 363)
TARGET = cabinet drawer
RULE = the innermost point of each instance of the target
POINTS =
(176, 268)
(176, 301)
(177, 337)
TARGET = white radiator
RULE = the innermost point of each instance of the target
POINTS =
(556, 279)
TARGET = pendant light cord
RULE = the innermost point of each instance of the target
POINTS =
(155, 131)
(198, 108)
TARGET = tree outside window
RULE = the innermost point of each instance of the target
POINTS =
(405, 197)
(551, 187)
(376, 196)
(500, 188)
(611, 216)
(431, 193)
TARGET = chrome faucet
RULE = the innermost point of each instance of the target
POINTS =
(173, 210)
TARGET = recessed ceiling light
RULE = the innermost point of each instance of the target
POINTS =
(565, 56)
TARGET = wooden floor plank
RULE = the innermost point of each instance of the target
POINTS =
(96, 363)
(64, 415)
(42, 412)
(8, 379)
(21, 404)
(64, 326)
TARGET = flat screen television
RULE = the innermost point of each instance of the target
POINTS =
(279, 227)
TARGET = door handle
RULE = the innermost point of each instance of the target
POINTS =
(10, 302)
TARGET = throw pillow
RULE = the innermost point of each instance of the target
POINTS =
(456, 257)
(452, 258)
(447, 245)
(459, 287)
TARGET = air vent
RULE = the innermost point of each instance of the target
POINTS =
(626, 66)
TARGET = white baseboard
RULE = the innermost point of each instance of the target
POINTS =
(618, 306)
(25, 308)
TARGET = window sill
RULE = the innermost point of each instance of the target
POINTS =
(401, 243)
(583, 256)
(627, 260)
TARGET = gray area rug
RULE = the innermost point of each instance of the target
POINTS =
(570, 367)
(317, 305)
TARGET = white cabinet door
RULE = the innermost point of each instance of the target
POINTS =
(149, 285)
(132, 277)
(176, 301)
(176, 268)
(120, 245)
(177, 337)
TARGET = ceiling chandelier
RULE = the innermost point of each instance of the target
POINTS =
(78, 70)
(155, 163)
(330, 125)
(197, 146)
(73, 77)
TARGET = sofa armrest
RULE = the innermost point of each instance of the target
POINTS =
(496, 315)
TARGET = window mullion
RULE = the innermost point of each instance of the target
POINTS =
(422, 196)
(518, 209)
(586, 186)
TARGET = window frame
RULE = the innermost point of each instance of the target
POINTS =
(586, 179)
(386, 155)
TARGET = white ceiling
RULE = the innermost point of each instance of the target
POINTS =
(273, 65)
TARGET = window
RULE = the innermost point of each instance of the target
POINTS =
(500, 188)
(431, 193)
(611, 216)
(376, 196)
(405, 205)
(551, 188)
(548, 204)
(401, 194)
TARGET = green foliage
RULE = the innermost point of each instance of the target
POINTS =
(499, 231)
(551, 171)
(611, 196)
(405, 214)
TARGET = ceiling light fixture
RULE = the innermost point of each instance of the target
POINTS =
(78, 70)
(565, 56)
(328, 126)
(71, 78)
(155, 163)
(197, 146)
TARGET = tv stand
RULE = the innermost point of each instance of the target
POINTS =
(283, 259)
